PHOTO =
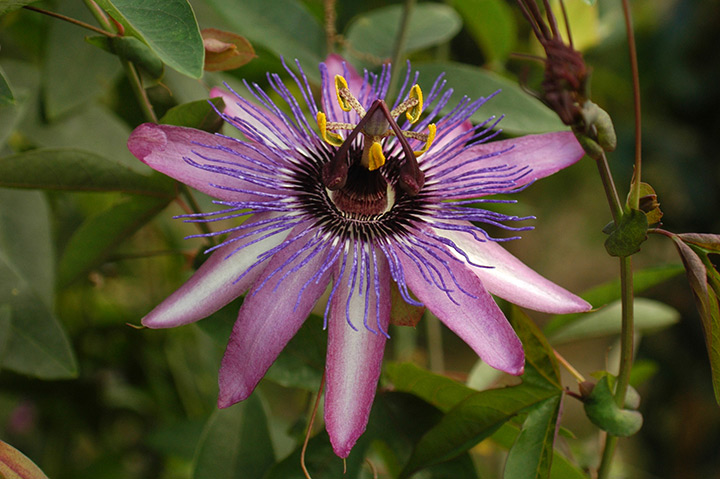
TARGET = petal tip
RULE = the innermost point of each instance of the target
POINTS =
(146, 139)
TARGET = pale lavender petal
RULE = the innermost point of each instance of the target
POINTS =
(270, 316)
(511, 279)
(518, 160)
(181, 154)
(467, 308)
(245, 119)
(354, 357)
(219, 280)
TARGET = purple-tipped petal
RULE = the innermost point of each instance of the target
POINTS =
(532, 157)
(172, 150)
(354, 358)
(244, 118)
(270, 316)
(467, 309)
(216, 282)
(513, 280)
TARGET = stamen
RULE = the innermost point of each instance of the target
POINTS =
(376, 158)
(329, 137)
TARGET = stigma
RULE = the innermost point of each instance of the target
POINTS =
(376, 124)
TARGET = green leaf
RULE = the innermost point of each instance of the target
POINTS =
(523, 113)
(101, 234)
(284, 27)
(132, 50)
(609, 292)
(628, 235)
(197, 114)
(168, 27)
(561, 467)
(650, 316)
(538, 353)
(16, 465)
(302, 362)
(602, 410)
(375, 32)
(492, 24)
(73, 73)
(706, 300)
(77, 170)
(440, 391)
(37, 344)
(708, 242)
(236, 443)
(5, 325)
(6, 94)
(471, 421)
(532, 454)
(10, 5)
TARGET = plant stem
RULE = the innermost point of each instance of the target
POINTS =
(99, 14)
(400, 42)
(64, 18)
(611, 193)
(634, 199)
(626, 276)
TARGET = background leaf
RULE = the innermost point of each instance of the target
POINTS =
(440, 391)
(374, 32)
(168, 27)
(609, 292)
(10, 5)
(6, 94)
(532, 454)
(101, 234)
(77, 170)
(37, 344)
(285, 27)
(472, 420)
(492, 26)
(523, 114)
(650, 315)
(73, 73)
(236, 443)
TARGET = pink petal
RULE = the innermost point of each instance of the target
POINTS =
(269, 130)
(270, 317)
(336, 65)
(166, 148)
(476, 319)
(216, 282)
(512, 280)
(354, 358)
(537, 155)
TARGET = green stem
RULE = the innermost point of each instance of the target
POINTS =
(610, 190)
(64, 18)
(400, 42)
(634, 199)
(435, 345)
(99, 14)
(607, 457)
(139, 91)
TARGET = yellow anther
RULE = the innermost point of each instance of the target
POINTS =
(340, 84)
(432, 129)
(331, 138)
(376, 158)
(413, 114)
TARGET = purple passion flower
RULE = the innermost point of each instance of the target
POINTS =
(349, 198)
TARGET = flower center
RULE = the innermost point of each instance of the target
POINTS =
(377, 123)
(365, 194)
